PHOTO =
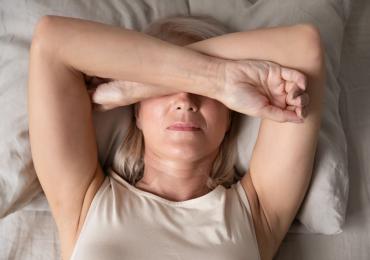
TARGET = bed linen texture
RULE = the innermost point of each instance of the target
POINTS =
(323, 209)
(27, 230)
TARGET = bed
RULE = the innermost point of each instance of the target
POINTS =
(28, 230)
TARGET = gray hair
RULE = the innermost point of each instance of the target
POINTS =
(128, 160)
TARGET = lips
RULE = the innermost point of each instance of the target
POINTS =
(184, 126)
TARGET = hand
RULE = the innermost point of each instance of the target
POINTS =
(92, 83)
(118, 93)
(265, 89)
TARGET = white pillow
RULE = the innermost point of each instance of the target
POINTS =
(18, 182)
(324, 208)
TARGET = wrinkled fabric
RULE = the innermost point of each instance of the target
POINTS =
(124, 222)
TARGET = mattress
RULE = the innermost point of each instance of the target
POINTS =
(30, 233)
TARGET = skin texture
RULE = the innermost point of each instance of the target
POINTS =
(268, 91)
(62, 134)
(178, 163)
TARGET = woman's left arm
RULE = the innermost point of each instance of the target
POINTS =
(62, 134)
(107, 51)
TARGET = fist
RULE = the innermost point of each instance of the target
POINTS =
(265, 89)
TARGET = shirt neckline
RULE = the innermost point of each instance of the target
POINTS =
(207, 199)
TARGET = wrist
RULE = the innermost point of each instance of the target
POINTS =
(187, 70)
(212, 81)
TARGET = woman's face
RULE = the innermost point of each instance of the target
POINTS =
(156, 115)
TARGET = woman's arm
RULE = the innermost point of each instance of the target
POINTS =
(62, 135)
(114, 52)
(287, 45)
(282, 160)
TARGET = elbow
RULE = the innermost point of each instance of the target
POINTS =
(314, 46)
(42, 34)
(44, 22)
(314, 60)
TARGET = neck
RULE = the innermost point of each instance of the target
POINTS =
(176, 179)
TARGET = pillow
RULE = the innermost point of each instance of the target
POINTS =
(18, 182)
(324, 207)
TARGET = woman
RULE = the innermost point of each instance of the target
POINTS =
(178, 198)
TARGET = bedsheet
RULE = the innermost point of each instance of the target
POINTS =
(31, 233)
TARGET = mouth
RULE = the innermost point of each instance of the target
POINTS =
(181, 126)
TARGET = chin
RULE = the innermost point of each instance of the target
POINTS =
(184, 154)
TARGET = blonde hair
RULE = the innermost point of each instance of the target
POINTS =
(128, 159)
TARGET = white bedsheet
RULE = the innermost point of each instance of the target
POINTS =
(354, 241)
(31, 234)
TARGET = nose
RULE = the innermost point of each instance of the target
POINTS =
(185, 101)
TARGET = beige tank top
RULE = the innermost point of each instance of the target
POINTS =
(124, 222)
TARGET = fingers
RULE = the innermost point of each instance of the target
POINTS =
(297, 98)
(96, 106)
(101, 108)
(92, 81)
(294, 76)
(302, 112)
(107, 93)
(121, 93)
(281, 115)
(302, 100)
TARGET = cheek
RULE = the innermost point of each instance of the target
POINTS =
(151, 117)
(217, 117)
